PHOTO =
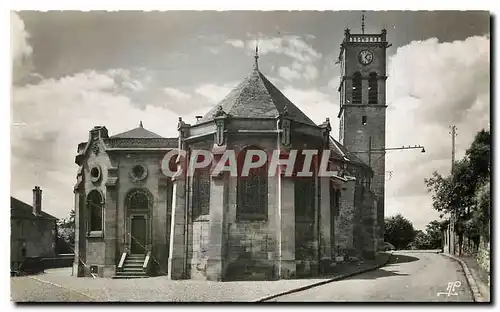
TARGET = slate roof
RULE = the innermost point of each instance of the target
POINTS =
(257, 97)
(19, 209)
(137, 133)
(339, 149)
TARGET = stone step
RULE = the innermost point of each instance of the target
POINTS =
(129, 276)
(132, 269)
(133, 265)
(134, 260)
(130, 273)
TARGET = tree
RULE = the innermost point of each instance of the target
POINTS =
(481, 215)
(479, 155)
(434, 231)
(465, 192)
(421, 241)
(399, 231)
(66, 234)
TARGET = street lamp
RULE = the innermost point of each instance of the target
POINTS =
(400, 148)
(370, 150)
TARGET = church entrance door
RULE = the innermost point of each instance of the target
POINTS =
(139, 234)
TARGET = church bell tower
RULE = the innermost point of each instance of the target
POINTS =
(363, 105)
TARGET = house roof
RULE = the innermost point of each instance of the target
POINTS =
(20, 209)
(137, 133)
(257, 97)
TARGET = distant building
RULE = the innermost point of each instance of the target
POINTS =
(33, 231)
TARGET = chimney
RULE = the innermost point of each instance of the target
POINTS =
(37, 200)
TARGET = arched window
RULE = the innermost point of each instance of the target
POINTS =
(138, 201)
(95, 204)
(356, 88)
(251, 190)
(373, 89)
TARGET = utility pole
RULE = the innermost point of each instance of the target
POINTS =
(453, 135)
(452, 216)
(370, 151)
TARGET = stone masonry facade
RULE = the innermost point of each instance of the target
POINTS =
(222, 227)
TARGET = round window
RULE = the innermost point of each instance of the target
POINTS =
(139, 172)
(95, 174)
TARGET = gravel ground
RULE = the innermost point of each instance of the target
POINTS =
(25, 289)
(58, 285)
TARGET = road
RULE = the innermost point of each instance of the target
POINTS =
(409, 276)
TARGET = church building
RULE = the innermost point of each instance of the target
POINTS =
(132, 220)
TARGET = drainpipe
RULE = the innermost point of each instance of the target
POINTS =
(318, 207)
(186, 213)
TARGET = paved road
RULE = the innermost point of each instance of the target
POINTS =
(28, 289)
(415, 276)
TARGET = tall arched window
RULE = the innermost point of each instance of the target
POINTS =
(251, 190)
(373, 89)
(356, 88)
(95, 204)
(305, 190)
(201, 192)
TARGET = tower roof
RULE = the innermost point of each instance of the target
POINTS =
(257, 97)
(137, 133)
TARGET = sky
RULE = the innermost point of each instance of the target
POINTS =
(74, 70)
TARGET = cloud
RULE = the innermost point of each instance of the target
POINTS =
(298, 71)
(292, 46)
(288, 74)
(432, 86)
(21, 49)
(215, 93)
(310, 72)
(177, 94)
(315, 104)
(297, 66)
(455, 75)
(53, 116)
(124, 79)
(236, 43)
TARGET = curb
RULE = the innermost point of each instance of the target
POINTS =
(337, 278)
(470, 279)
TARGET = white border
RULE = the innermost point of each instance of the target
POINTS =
(198, 5)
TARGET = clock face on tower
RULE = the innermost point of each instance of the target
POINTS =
(365, 57)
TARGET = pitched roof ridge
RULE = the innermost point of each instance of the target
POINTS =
(27, 208)
(141, 129)
(263, 77)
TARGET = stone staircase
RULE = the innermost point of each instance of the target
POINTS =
(132, 267)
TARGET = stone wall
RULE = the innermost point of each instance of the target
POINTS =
(344, 223)
(251, 249)
(483, 257)
(365, 236)
(306, 248)
(38, 236)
